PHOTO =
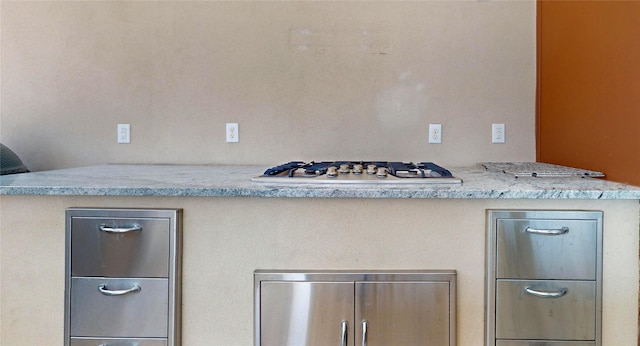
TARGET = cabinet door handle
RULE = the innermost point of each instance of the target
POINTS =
(545, 294)
(364, 332)
(345, 333)
(557, 231)
(127, 229)
(107, 292)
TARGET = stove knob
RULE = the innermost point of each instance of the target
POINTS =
(332, 171)
(357, 169)
(371, 169)
(344, 169)
(381, 172)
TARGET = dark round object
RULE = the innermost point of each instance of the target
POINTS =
(10, 163)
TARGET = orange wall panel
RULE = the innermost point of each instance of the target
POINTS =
(588, 102)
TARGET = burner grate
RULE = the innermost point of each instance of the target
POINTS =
(319, 168)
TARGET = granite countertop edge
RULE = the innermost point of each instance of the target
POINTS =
(235, 181)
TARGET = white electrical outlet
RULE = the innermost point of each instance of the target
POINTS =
(232, 133)
(497, 133)
(435, 133)
(124, 133)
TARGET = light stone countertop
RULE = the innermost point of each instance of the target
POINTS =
(235, 181)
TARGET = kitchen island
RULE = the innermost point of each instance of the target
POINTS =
(233, 227)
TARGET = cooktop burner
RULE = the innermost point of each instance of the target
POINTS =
(358, 172)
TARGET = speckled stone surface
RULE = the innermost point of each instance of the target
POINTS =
(235, 181)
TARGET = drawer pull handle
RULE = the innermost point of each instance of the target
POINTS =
(132, 228)
(364, 332)
(344, 336)
(107, 292)
(545, 294)
(557, 231)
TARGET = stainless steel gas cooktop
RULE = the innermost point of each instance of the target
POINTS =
(357, 172)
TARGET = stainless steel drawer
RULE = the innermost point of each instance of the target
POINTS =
(522, 311)
(546, 249)
(117, 342)
(120, 247)
(101, 307)
(543, 343)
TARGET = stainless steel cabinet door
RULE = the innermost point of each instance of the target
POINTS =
(120, 247)
(547, 249)
(553, 310)
(402, 313)
(306, 313)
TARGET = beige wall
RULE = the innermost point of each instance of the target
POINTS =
(305, 80)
